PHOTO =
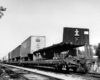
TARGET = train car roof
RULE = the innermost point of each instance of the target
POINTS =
(59, 47)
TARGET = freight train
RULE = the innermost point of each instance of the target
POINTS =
(61, 56)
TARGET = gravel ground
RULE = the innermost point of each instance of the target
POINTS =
(5, 76)
(35, 76)
(27, 74)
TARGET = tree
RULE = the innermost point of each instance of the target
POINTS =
(98, 51)
(2, 9)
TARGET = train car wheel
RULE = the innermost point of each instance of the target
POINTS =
(58, 68)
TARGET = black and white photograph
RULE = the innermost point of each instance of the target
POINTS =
(49, 40)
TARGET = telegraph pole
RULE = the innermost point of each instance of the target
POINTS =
(1, 10)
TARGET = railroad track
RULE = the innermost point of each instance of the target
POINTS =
(12, 74)
(16, 72)
(71, 72)
(60, 75)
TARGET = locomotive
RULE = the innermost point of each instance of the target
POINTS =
(61, 56)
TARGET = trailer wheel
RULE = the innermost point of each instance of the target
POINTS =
(75, 69)
(85, 69)
(67, 68)
(60, 68)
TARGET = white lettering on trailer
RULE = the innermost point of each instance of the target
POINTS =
(76, 32)
(86, 32)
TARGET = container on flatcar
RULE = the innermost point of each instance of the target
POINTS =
(76, 36)
(1, 59)
(9, 56)
(16, 53)
(5, 59)
(33, 43)
(12, 54)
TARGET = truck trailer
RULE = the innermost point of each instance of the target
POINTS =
(31, 44)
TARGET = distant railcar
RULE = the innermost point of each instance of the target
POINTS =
(15, 54)
(5, 59)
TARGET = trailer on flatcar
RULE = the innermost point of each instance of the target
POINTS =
(30, 45)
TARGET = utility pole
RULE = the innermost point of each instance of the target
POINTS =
(1, 10)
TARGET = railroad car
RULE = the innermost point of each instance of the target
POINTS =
(32, 52)
(5, 59)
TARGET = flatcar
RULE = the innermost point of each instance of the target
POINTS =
(60, 57)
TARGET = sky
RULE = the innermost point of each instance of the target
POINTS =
(24, 18)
